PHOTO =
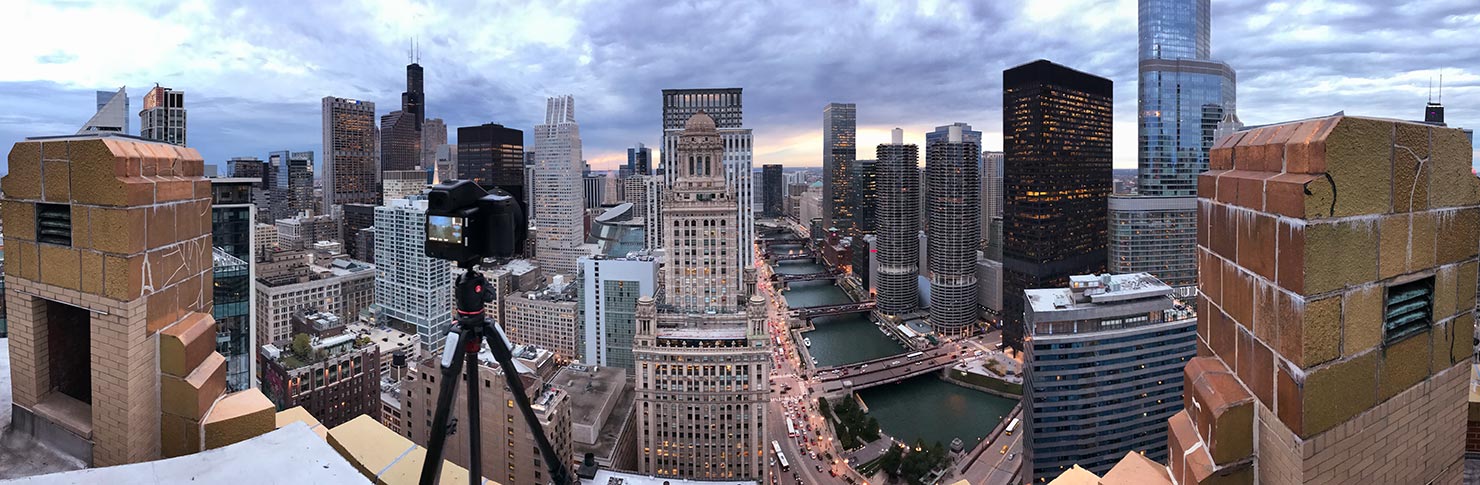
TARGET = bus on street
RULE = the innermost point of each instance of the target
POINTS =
(780, 457)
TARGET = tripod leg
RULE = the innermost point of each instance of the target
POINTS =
(451, 369)
(475, 435)
(499, 346)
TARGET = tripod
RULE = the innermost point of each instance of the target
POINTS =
(461, 349)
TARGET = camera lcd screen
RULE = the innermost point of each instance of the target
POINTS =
(445, 229)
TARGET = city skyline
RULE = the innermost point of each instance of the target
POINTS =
(233, 74)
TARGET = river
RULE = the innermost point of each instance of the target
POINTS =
(929, 408)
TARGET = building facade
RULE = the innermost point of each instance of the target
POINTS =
(898, 242)
(433, 136)
(702, 356)
(336, 377)
(163, 116)
(955, 220)
(1054, 217)
(493, 156)
(400, 184)
(353, 221)
(775, 190)
(611, 288)
(546, 318)
(350, 143)
(301, 232)
(445, 166)
(725, 107)
(413, 291)
(593, 189)
(1154, 235)
(343, 288)
(991, 192)
(232, 215)
(639, 160)
(1103, 371)
(289, 184)
(839, 149)
(863, 196)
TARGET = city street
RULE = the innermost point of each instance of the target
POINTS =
(798, 404)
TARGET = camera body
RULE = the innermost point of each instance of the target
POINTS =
(466, 223)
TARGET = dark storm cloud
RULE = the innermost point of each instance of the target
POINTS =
(254, 72)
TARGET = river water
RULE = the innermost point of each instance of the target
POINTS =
(838, 339)
(929, 408)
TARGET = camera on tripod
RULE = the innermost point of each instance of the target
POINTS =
(466, 223)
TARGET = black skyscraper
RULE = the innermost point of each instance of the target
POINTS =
(493, 156)
(400, 131)
(1056, 179)
(774, 188)
(862, 194)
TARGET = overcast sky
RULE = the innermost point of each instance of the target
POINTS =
(254, 71)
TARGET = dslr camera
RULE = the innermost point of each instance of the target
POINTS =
(467, 224)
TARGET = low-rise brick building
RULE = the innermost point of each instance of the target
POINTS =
(335, 377)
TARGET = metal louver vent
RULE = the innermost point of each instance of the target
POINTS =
(54, 224)
(1409, 308)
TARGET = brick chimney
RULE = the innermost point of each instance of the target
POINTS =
(109, 298)
(1337, 269)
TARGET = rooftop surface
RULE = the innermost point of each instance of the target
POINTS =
(261, 458)
(1097, 290)
(589, 392)
(608, 477)
(20, 455)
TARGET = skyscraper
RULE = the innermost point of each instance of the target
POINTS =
(724, 106)
(932, 137)
(1056, 178)
(839, 149)
(898, 242)
(401, 130)
(1183, 97)
(703, 363)
(991, 190)
(349, 152)
(639, 160)
(290, 183)
(433, 136)
(112, 115)
(413, 291)
(446, 164)
(955, 225)
(163, 117)
(493, 156)
(558, 187)
(863, 195)
(774, 189)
